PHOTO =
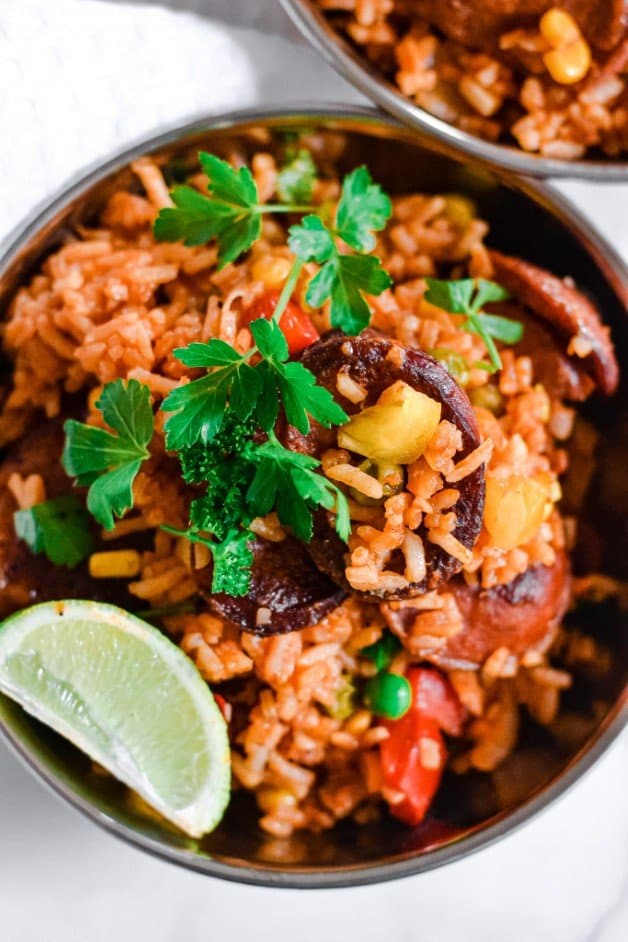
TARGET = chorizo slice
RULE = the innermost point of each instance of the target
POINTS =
(522, 615)
(568, 313)
(376, 363)
(287, 591)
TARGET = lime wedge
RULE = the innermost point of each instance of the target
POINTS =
(128, 697)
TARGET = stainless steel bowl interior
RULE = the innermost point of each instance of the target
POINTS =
(472, 811)
(356, 69)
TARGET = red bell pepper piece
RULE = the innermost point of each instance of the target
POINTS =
(295, 324)
(435, 707)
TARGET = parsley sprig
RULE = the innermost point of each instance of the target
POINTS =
(198, 408)
(232, 212)
(108, 463)
(468, 296)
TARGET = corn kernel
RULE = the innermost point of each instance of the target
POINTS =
(272, 271)
(558, 28)
(271, 799)
(569, 64)
(118, 564)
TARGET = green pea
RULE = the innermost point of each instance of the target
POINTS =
(388, 695)
(383, 651)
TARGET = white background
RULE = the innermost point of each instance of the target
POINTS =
(77, 79)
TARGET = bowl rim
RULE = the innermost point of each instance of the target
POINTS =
(313, 25)
(615, 272)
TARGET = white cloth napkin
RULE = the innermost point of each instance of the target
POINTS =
(77, 80)
(80, 79)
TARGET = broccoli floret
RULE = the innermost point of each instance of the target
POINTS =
(201, 463)
(224, 504)
(233, 559)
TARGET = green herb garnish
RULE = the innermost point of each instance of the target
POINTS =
(468, 296)
(287, 481)
(108, 463)
(59, 528)
(363, 209)
(199, 407)
(232, 212)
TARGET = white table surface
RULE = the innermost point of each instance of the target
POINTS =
(563, 877)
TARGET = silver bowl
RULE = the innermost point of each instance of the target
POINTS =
(525, 217)
(356, 69)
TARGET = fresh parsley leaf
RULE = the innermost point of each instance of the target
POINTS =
(292, 384)
(109, 462)
(59, 528)
(346, 279)
(311, 240)
(231, 212)
(364, 208)
(487, 291)
(295, 180)
(288, 482)
(466, 296)
(502, 328)
(452, 296)
(198, 407)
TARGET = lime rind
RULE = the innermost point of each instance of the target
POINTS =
(127, 697)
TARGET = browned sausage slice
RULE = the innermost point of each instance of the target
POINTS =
(369, 362)
(287, 591)
(566, 310)
(521, 616)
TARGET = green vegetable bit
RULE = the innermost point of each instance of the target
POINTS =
(59, 528)
(383, 651)
(468, 296)
(109, 462)
(232, 558)
(295, 180)
(388, 695)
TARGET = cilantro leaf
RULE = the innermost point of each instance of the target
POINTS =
(198, 407)
(291, 383)
(295, 180)
(465, 296)
(363, 208)
(109, 462)
(289, 481)
(346, 279)
(59, 528)
(230, 213)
